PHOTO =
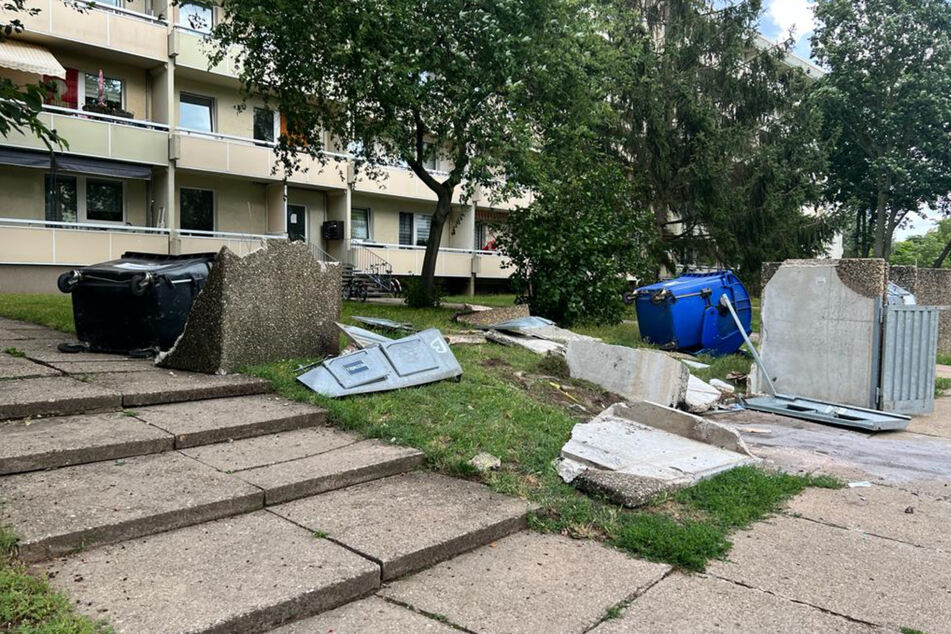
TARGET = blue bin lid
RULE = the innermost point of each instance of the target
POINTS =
(692, 282)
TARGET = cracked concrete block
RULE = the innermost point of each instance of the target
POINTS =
(700, 396)
(278, 302)
(639, 374)
(493, 315)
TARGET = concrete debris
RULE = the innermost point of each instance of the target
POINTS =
(860, 484)
(696, 365)
(539, 346)
(723, 386)
(421, 358)
(648, 448)
(632, 373)
(361, 337)
(486, 318)
(277, 302)
(382, 322)
(700, 396)
(485, 462)
(472, 337)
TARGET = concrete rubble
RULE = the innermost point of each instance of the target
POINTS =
(701, 396)
(637, 374)
(632, 451)
(485, 462)
(539, 346)
(277, 302)
(486, 318)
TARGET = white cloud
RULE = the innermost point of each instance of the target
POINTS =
(792, 15)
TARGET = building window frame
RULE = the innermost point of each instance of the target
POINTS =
(82, 202)
(369, 224)
(303, 209)
(275, 125)
(199, 100)
(185, 23)
(414, 229)
(214, 208)
(83, 95)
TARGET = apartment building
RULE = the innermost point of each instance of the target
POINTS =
(161, 159)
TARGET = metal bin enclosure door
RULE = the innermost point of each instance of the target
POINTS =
(909, 348)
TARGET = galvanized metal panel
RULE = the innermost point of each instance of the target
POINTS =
(909, 348)
(831, 413)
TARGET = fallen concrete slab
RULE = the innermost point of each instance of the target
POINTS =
(152, 388)
(538, 346)
(113, 501)
(695, 603)
(528, 583)
(447, 516)
(242, 574)
(701, 396)
(486, 318)
(212, 421)
(639, 374)
(372, 614)
(659, 448)
(278, 302)
(47, 443)
(54, 396)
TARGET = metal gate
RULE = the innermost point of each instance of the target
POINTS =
(909, 345)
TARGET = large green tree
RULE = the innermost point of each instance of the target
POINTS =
(394, 79)
(720, 130)
(887, 103)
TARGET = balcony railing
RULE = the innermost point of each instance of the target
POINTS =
(27, 241)
(85, 114)
(120, 10)
(452, 262)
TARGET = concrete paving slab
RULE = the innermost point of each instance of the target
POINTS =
(883, 511)
(698, 604)
(57, 512)
(218, 420)
(867, 578)
(528, 583)
(96, 367)
(45, 349)
(7, 334)
(19, 368)
(410, 521)
(241, 574)
(336, 469)
(54, 396)
(153, 388)
(270, 449)
(937, 423)
(29, 445)
(372, 614)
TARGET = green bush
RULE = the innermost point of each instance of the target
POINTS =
(416, 295)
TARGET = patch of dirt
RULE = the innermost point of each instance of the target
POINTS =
(495, 362)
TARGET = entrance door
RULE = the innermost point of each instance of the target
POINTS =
(297, 223)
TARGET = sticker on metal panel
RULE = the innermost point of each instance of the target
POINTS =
(357, 369)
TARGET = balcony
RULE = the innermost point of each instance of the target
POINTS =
(238, 156)
(73, 244)
(100, 136)
(408, 260)
(107, 27)
(191, 50)
(206, 241)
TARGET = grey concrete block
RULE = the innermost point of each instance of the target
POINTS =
(153, 388)
(493, 315)
(411, 521)
(859, 576)
(29, 445)
(336, 469)
(217, 420)
(697, 604)
(278, 302)
(19, 368)
(271, 448)
(631, 373)
(54, 396)
(242, 574)
(57, 512)
(372, 614)
(528, 583)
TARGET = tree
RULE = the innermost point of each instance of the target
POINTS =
(720, 130)
(399, 80)
(928, 249)
(20, 105)
(887, 102)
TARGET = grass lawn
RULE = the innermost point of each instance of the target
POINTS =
(521, 408)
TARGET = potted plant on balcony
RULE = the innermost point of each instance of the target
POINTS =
(101, 107)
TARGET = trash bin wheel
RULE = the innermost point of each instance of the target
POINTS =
(139, 284)
(67, 282)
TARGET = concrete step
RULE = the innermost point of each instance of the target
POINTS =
(411, 521)
(241, 574)
(157, 386)
(33, 444)
(54, 396)
(19, 368)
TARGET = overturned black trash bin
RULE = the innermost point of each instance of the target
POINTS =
(135, 305)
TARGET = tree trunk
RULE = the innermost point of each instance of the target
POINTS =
(428, 274)
(881, 225)
(941, 258)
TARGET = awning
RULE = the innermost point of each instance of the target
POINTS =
(30, 58)
(74, 163)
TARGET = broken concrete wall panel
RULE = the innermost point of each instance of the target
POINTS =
(487, 318)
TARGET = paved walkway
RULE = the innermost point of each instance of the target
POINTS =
(172, 502)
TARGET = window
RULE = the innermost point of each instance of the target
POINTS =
(103, 200)
(197, 209)
(429, 157)
(66, 194)
(196, 113)
(196, 16)
(414, 229)
(111, 90)
(264, 125)
(359, 224)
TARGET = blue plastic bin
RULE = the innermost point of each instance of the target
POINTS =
(685, 313)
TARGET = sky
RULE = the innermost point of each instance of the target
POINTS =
(781, 17)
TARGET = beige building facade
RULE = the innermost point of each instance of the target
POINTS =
(163, 158)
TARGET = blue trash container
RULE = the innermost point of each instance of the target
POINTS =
(685, 313)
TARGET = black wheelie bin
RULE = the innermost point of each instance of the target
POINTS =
(135, 305)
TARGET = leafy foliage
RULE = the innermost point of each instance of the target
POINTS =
(924, 250)
(887, 103)
(401, 81)
(418, 296)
